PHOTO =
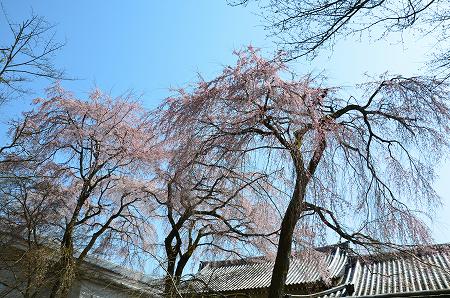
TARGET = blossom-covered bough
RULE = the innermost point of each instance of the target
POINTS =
(97, 154)
(361, 166)
(209, 205)
(114, 182)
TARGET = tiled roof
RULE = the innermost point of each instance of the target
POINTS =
(338, 291)
(417, 272)
(412, 272)
(256, 272)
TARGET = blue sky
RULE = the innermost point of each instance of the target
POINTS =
(152, 46)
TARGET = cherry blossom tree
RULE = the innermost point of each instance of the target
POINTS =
(359, 166)
(208, 205)
(111, 169)
(104, 150)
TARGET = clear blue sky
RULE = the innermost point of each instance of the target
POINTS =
(151, 46)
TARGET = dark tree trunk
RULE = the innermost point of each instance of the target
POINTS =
(65, 270)
(174, 273)
(172, 251)
(181, 264)
(175, 269)
(290, 219)
(169, 287)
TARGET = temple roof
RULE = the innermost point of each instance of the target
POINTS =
(253, 273)
(412, 270)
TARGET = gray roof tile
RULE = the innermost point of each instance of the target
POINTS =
(407, 272)
(413, 270)
(256, 272)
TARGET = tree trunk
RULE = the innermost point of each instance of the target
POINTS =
(281, 266)
(182, 263)
(65, 268)
(173, 276)
(169, 281)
